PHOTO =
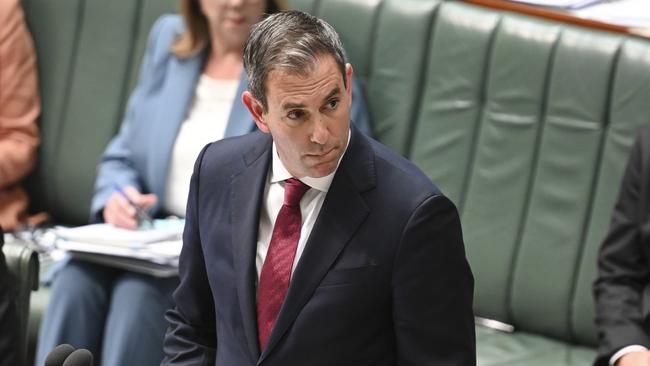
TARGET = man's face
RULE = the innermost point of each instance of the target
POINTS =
(308, 116)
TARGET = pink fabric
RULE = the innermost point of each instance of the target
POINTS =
(19, 107)
(276, 270)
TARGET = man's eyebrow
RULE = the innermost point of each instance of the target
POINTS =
(292, 106)
(334, 92)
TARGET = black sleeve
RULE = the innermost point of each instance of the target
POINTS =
(623, 268)
(433, 289)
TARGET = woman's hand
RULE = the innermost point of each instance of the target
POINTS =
(119, 212)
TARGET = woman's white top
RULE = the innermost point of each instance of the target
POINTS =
(206, 122)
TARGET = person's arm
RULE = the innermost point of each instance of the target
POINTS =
(116, 166)
(191, 338)
(623, 269)
(19, 100)
(433, 289)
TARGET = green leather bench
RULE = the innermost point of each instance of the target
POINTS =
(525, 123)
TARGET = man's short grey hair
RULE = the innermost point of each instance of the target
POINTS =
(291, 41)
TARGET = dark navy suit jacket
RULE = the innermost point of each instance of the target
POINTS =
(383, 279)
(622, 290)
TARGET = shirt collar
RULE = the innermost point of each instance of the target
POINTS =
(279, 173)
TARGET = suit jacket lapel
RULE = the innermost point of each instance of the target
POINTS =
(343, 210)
(247, 194)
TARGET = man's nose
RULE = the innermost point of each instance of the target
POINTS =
(320, 134)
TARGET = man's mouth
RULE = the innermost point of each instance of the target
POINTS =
(321, 154)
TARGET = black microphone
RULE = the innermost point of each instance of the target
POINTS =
(80, 357)
(58, 355)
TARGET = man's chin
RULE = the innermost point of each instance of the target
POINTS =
(322, 170)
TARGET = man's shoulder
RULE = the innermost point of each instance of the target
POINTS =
(396, 189)
(242, 143)
(388, 181)
(401, 171)
(231, 153)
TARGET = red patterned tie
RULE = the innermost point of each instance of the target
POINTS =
(276, 270)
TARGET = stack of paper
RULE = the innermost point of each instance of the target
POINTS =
(107, 234)
(628, 13)
(111, 245)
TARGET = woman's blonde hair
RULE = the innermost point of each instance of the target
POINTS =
(197, 34)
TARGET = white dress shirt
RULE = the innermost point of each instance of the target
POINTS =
(625, 350)
(310, 206)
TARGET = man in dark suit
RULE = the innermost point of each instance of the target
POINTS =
(308, 243)
(622, 289)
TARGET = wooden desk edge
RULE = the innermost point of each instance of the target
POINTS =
(559, 16)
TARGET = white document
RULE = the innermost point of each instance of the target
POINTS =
(109, 235)
(565, 4)
(161, 244)
(165, 252)
(628, 13)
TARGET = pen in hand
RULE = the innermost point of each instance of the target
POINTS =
(144, 219)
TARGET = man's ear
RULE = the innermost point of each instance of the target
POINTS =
(348, 81)
(257, 111)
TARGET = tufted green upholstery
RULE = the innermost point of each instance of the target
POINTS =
(525, 123)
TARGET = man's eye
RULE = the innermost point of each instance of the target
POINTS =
(295, 114)
(332, 104)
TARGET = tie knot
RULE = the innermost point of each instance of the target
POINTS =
(293, 191)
